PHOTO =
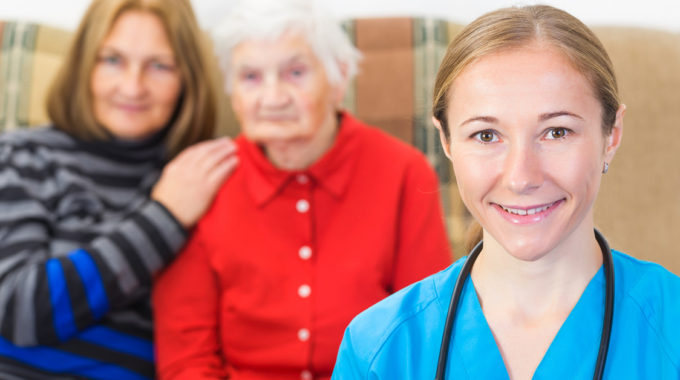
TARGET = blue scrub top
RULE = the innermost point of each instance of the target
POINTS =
(399, 337)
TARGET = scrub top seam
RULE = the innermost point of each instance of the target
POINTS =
(454, 269)
(391, 330)
(649, 268)
(658, 335)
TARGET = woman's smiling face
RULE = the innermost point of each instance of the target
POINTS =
(528, 147)
(136, 83)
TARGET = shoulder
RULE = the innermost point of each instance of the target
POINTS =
(650, 290)
(47, 136)
(233, 192)
(34, 141)
(376, 149)
(379, 142)
(408, 311)
(638, 277)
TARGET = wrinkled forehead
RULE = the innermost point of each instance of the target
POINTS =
(288, 48)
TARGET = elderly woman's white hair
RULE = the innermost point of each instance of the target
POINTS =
(270, 19)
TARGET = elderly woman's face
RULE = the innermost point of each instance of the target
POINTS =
(280, 91)
(135, 82)
(527, 148)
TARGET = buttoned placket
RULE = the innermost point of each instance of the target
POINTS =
(304, 188)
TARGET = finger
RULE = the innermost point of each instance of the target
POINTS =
(212, 158)
(223, 170)
(197, 153)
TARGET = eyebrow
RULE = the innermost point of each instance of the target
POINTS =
(296, 57)
(484, 119)
(108, 49)
(542, 117)
(287, 61)
(551, 115)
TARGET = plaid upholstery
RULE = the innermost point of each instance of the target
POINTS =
(30, 56)
(394, 92)
(639, 202)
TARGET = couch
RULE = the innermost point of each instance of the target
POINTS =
(639, 204)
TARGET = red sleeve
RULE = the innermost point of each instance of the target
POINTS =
(423, 245)
(186, 304)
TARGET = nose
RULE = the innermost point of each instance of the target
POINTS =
(132, 85)
(522, 169)
(274, 93)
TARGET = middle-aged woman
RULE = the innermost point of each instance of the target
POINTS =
(86, 217)
(529, 114)
(323, 217)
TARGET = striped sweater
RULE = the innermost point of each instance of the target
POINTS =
(80, 242)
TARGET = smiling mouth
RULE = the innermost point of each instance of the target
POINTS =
(274, 115)
(132, 107)
(529, 211)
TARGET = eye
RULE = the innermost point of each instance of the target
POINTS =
(296, 72)
(110, 59)
(557, 133)
(160, 66)
(249, 76)
(486, 136)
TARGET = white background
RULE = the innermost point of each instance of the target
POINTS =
(664, 14)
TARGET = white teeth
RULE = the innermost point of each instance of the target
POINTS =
(521, 212)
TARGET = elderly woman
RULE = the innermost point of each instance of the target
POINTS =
(85, 221)
(324, 216)
(528, 109)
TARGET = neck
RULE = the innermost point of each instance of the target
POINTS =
(533, 290)
(300, 153)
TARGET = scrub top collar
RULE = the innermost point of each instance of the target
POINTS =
(475, 349)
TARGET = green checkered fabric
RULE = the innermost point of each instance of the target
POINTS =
(29, 57)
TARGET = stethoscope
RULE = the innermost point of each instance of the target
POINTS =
(606, 324)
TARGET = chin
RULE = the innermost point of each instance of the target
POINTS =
(132, 132)
(527, 248)
(527, 254)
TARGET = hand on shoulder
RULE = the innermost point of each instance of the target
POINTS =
(190, 181)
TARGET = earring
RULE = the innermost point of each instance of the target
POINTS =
(605, 169)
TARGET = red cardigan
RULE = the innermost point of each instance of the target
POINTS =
(283, 260)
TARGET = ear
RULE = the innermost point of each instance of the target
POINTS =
(339, 89)
(613, 141)
(442, 137)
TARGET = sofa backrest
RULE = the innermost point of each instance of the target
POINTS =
(639, 203)
(638, 208)
(30, 55)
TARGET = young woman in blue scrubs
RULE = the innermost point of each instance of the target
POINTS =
(528, 112)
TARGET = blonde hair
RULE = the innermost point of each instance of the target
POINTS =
(515, 27)
(196, 118)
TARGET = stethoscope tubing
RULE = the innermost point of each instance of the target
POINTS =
(606, 323)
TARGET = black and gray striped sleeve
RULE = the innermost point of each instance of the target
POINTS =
(47, 296)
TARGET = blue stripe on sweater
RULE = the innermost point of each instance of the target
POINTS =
(56, 361)
(92, 282)
(62, 315)
(114, 340)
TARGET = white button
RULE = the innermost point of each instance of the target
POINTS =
(306, 375)
(302, 206)
(303, 335)
(302, 179)
(305, 252)
(304, 291)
